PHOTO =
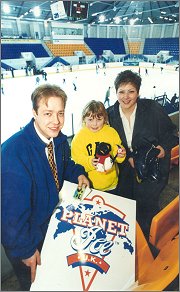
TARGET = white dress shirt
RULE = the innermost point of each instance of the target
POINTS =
(45, 140)
(128, 125)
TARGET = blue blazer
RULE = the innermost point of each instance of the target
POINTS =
(29, 193)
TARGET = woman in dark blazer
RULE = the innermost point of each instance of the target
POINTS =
(137, 121)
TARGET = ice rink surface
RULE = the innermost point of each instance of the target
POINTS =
(16, 107)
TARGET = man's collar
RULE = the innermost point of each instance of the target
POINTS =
(44, 139)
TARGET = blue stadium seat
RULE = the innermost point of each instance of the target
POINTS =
(13, 51)
(97, 45)
(154, 45)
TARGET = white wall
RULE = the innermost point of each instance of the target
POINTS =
(14, 28)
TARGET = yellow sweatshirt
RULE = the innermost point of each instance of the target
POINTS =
(83, 149)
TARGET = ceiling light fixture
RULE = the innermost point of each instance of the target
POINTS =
(6, 8)
(117, 20)
(150, 20)
(102, 18)
(36, 11)
(132, 21)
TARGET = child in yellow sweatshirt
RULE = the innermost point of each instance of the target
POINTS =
(98, 147)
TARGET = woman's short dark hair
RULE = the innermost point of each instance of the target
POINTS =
(128, 76)
(46, 91)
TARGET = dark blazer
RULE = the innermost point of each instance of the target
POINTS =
(151, 123)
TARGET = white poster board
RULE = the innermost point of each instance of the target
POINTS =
(89, 245)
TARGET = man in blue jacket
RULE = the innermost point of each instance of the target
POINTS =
(29, 191)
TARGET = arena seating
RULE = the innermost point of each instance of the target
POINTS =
(165, 225)
(175, 156)
(134, 47)
(13, 51)
(97, 45)
(154, 45)
(67, 49)
(155, 273)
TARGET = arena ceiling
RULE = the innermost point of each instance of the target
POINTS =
(115, 12)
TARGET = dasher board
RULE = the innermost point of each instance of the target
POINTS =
(89, 245)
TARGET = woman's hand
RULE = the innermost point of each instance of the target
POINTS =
(161, 153)
(131, 161)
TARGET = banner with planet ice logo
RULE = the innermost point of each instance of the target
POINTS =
(89, 245)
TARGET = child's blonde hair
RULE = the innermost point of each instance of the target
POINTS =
(95, 109)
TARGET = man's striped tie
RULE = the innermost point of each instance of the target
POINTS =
(52, 163)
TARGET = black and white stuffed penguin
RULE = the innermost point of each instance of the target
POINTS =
(105, 162)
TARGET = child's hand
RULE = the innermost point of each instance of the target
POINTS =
(121, 152)
(95, 161)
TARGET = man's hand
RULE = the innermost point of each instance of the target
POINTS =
(83, 181)
(32, 262)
